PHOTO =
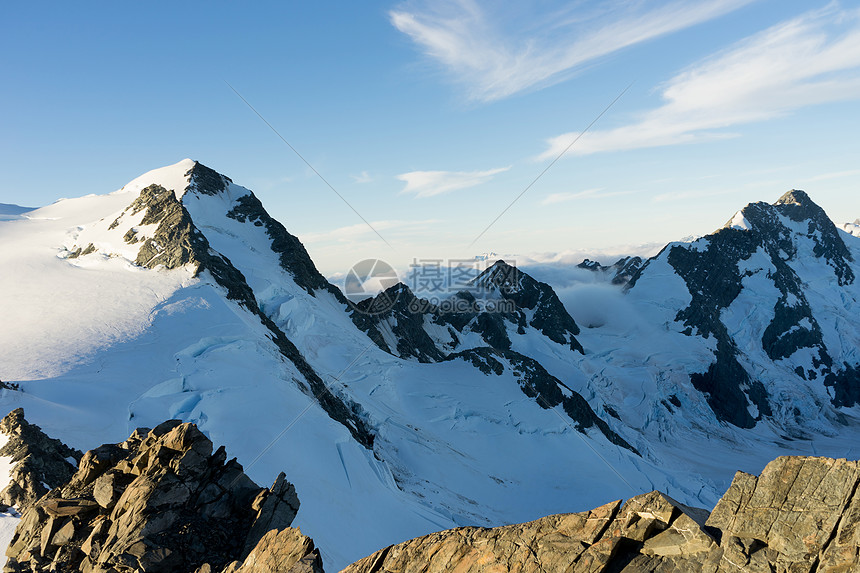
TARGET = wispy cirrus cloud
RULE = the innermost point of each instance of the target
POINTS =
(809, 60)
(430, 183)
(567, 196)
(497, 53)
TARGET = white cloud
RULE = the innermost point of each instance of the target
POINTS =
(430, 183)
(496, 57)
(363, 177)
(810, 60)
(564, 197)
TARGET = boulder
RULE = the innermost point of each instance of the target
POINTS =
(801, 514)
(285, 551)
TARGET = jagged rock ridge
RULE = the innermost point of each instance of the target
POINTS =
(38, 459)
(480, 310)
(160, 501)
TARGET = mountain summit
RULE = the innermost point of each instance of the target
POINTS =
(775, 289)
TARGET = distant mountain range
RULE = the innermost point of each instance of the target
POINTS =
(179, 296)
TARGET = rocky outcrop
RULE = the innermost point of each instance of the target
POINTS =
(293, 256)
(286, 551)
(291, 253)
(401, 323)
(398, 310)
(603, 539)
(625, 269)
(39, 461)
(548, 314)
(802, 515)
(160, 501)
(621, 271)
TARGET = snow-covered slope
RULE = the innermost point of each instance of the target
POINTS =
(178, 296)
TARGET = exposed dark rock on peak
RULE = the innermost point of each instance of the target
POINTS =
(797, 206)
(624, 269)
(400, 310)
(714, 281)
(498, 297)
(206, 181)
(178, 242)
(38, 461)
(799, 198)
(499, 274)
(547, 390)
(549, 317)
(590, 265)
(815, 225)
(160, 501)
(292, 254)
(801, 514)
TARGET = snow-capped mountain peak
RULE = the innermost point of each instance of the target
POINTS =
(766, 288)
(173, 177)
(797, 197)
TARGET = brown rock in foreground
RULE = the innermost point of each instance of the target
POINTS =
(286, 551)
(801, 515)
(602, 539)
(161, 501)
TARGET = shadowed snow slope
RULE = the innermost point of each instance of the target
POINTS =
(179, 297)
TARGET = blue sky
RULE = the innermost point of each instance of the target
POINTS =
(431, 117)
